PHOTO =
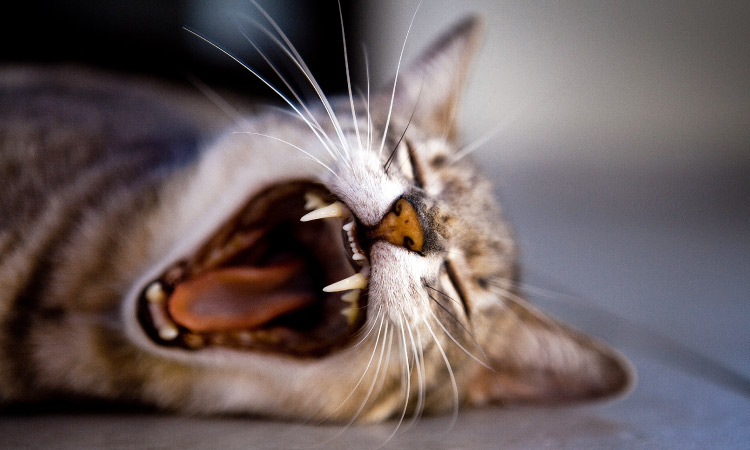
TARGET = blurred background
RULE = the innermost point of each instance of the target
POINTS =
(620, 140)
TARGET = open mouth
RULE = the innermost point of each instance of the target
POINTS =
(266, 281)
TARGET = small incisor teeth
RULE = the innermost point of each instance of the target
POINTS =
(336, 209)
(359, 256)
(356, 281)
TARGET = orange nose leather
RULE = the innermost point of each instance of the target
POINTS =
(401, 227)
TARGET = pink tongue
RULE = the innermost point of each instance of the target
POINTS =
(237, 297)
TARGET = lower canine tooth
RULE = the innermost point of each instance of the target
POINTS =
(356, 281)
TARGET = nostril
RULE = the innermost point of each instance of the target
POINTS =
(400, 227)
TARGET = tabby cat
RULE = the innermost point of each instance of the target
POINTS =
(342, 262)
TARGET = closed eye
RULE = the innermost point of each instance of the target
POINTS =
(457, 285)
(416, 166)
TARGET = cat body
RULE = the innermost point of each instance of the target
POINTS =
(125, 243)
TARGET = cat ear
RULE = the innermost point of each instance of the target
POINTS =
(536, 358)
(432, 85)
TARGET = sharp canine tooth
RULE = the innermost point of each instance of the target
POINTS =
(351, 296)
(348, 226)
(356, 281)
(333, 210)
(358, 257)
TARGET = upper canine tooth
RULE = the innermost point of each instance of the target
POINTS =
(336, 209)
(356, 281)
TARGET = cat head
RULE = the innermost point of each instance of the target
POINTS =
(396, 292)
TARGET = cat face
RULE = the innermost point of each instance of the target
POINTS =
(345, 262)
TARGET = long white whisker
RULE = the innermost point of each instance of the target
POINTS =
(490, 134)
(271, 86)
(407, 369)
(395, 81)
(291, 145)
(450, 371)
(273, 67)
(364, 372)
(309, 115)
(348, 77)
(297, 59)
(375, 377)
(217, 100)
(477, 143)
(369, 115)
(419, 356)
(447, 333)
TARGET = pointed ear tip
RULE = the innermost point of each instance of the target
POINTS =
(623, 376)
(470, 29)
(472, 24)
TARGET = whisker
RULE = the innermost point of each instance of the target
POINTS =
(450, 372)
(370, 134)
(364, 372)
(484, 363)
(348, 77)
(388, 162)
(216, 99)
(299, 61)
(466, 330)
(273, 67)
(420, 374)
(395, 81)
(291, 145)
(407, 369)
(264, 81)
(309, 115)
(491, 133)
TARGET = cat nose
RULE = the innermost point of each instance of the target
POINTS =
(400, 226)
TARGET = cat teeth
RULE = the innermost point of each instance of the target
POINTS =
(168, 332)
(357, 253)
(155, 292)
(351, 296)
(314, 201)
(356, 281)
(166, 329)
(351, 312)
(336, 209)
